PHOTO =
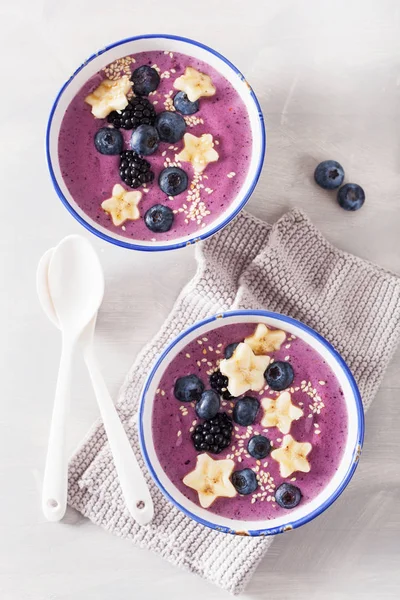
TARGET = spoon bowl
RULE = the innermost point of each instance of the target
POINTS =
(75, 284)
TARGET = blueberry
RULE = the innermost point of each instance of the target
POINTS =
(351, 196)
(208, 405)
(170, 126)
(244, 481)
(245, 410)
(329, 174)
(288, 495)
(230, 349)
(279, 375)
(183, 104)
(145, 140)
(173, 181)
(145, 80)
(159, 218)
(259, 446)
(109, 141)
(188, 388)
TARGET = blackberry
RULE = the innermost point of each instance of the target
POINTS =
(133, 170)
(139, 111)
(214, 434)
(219, 383)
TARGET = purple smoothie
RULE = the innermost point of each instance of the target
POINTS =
(90, 176)
(326, 430)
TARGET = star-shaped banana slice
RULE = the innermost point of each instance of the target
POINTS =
(195, 84)
(291, 456)
(109, 96)
(244, 370)
(199, 151)
(211, 479)
(122, 205)
(280, 412)
(265, 340)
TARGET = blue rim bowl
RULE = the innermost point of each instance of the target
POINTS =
(138, 44)
(301, 514)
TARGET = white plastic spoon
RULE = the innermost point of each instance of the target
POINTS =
(76, 287)
(134, 488)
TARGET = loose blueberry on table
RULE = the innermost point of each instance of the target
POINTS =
(261, 453)
(178, 112)
(351, 196)
(329, 174)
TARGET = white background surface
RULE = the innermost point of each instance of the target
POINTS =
(328, 78)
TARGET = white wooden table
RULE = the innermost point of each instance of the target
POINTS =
(328, 77)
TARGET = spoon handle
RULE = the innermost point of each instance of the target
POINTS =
(55, 483)
(133, 484)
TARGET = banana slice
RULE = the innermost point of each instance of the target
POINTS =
(291, 456)
(195, 84)
(245, 370)
(280, 412)
(122, 205)
(199, 151)
(211, 479)
(265, 340)
(109, 96)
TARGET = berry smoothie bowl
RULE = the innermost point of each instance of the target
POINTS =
(251, 423)
(155, 142)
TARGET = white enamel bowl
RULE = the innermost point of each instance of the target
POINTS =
(303, 513)
(131, 46)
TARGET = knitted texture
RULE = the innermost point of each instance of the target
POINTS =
(288, 268)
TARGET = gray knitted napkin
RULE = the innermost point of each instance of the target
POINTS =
(289, 268)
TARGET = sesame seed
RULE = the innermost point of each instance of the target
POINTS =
(187, 355)
(179, 433)
(204, 351)
(321, 382)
